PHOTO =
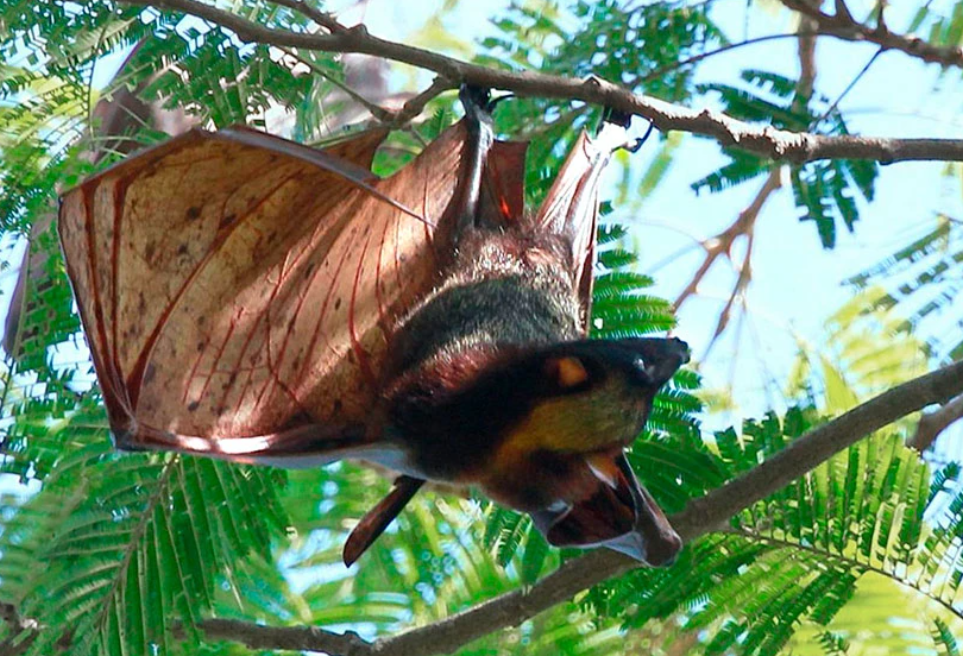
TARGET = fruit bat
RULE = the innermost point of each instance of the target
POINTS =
(253, 299)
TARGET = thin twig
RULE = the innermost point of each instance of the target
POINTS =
(849, 87)
(322, 18)
(842, 25)
(722, 243)
(662, 72)
(416, 105)
(932, 424)
(744, 225)
(379, 112)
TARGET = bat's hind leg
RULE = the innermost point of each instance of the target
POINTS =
(478, 120)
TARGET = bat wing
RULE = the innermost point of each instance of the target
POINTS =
(238, 291)
(571, 207)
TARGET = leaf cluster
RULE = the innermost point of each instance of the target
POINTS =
(825, 191)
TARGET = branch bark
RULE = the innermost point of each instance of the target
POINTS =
(763, 141)
(701, 516)
(933, 423)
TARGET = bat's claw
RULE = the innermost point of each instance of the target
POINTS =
(622, 120)
(477, 102)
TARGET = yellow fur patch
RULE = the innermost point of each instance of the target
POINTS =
(554, 424)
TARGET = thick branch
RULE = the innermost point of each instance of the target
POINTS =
(701, 516)
(763, 141)
(842, 25)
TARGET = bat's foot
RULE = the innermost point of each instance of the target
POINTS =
(481, 135)
(616, 117)
(478, 104)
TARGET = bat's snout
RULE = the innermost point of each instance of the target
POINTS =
(661, 358)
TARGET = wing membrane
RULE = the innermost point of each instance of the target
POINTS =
(239, 291)
(571, 206)
(235, 285)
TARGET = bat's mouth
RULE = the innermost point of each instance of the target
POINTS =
(620, 515)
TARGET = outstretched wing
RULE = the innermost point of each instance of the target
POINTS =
(238, 290)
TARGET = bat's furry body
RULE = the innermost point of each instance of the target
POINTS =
(453, 351)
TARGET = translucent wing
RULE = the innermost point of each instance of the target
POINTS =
(571, 207)
(238, 291)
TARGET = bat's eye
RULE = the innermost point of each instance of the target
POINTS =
(569, 372)
(643, 371)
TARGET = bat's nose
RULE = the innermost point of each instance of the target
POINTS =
(681, 348)
(657, 359)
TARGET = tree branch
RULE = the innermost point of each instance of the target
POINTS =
(257, 636)
(933, 423)
(843, 26)
(722, 243)
(23, 632)
(322, 18)
(744, 225)
(701, 516)
(763, 141)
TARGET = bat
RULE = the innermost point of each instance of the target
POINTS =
(249, 298)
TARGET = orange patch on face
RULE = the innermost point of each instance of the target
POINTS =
(570, 372)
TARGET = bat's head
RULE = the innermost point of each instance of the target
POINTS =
(564, 461)
(594, 395)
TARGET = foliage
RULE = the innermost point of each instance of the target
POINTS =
(117, 554)
(797, 558)
(923, 279)
(868, 349)
(823, 190)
